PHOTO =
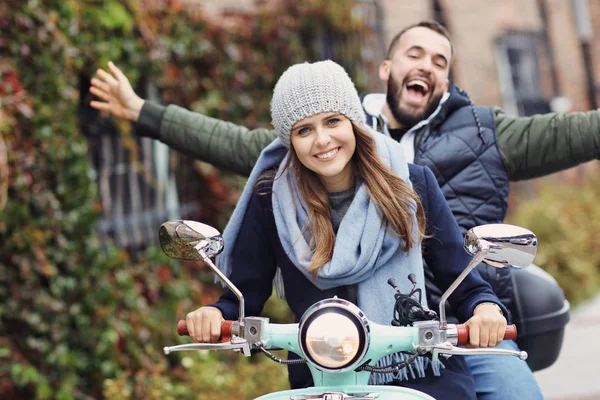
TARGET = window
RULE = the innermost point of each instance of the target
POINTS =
(137, 194)
(518, 54)
(360, 50)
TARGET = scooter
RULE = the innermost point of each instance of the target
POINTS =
(334, 337)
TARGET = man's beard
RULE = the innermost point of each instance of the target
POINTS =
(405, 118)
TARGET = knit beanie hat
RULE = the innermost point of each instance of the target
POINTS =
(308, 89)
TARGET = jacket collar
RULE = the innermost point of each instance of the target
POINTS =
(453, 99)
(457, 98)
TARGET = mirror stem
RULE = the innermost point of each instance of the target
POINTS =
(231, 287)
(476, 260)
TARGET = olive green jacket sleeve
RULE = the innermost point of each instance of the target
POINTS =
(225, 145)
(546, 143)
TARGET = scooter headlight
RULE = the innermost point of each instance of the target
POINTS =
(334, 334)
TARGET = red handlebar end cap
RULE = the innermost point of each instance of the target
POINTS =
(510, 333)
(182, 328)
(226, 331)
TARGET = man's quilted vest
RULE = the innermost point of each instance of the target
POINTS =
(459, 146)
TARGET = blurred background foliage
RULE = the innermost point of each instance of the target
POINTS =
(565, 220)
(79, 321)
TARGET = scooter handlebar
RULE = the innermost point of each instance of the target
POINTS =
(226, 329)
(463, 333)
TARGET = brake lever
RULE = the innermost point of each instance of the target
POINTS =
(448, 349)
(236, 344)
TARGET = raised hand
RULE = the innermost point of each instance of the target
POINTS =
(119, 98)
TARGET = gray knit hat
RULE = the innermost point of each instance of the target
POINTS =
(308, 89)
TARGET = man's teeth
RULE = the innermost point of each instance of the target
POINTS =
(419, 83)
(328, 154)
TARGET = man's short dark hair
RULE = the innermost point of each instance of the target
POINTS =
(433, 25)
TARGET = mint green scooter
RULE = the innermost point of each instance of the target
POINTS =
(334, 337)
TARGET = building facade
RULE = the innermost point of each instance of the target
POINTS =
(527, 56)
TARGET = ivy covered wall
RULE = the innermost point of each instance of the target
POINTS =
(77, 321)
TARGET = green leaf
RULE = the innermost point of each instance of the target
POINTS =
(4, 352)
(115, 16)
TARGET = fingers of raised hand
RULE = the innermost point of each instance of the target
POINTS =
(116, 71)
(100, 105)
(100, 85)
(100, 93)
(107, 78)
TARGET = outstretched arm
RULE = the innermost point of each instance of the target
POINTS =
(547, 143)
(223, 144)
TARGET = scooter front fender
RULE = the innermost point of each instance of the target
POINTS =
(379, 392)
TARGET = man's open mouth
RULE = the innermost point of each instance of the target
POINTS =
(418, 90)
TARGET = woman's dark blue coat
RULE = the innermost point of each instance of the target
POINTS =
(258, 252)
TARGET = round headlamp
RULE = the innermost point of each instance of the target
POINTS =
(334, 334)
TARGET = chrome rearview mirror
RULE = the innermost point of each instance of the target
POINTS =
(507, 245)
(498, 245)
(182, 240)
(194, 241)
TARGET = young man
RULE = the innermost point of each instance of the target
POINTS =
(473, 151)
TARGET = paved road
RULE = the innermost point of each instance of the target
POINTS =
(576, 373)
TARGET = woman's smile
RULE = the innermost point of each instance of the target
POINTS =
(328, 155)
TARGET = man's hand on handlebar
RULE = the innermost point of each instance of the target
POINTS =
(487, 326)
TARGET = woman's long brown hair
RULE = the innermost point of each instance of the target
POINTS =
(397, 203)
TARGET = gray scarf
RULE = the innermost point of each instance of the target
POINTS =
(366, 252)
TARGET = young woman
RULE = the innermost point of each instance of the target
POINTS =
(339, 211)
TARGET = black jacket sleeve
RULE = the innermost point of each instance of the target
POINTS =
(254, 263)
(150, 119)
